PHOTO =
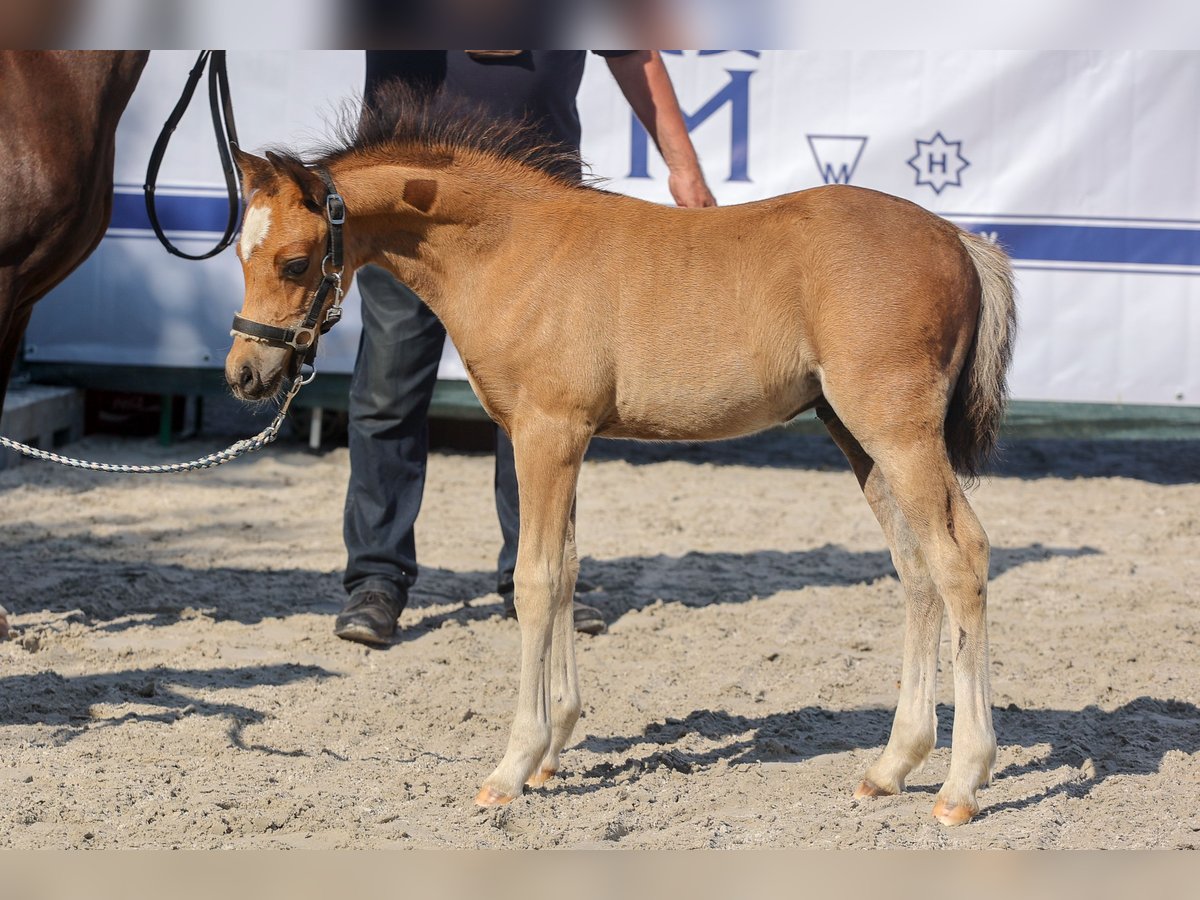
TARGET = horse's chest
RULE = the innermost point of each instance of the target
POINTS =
(484, 401)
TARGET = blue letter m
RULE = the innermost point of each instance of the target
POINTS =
(737, 94)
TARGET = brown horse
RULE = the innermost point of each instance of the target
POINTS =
(579, 312)
(60, 112)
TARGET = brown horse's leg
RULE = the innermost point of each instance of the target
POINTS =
(10, 340)
(548, 456)
(564, 687)
(955, 548)
(914, 729)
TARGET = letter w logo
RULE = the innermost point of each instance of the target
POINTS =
(836, 155)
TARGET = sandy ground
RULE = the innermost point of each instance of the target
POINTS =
(172, 680)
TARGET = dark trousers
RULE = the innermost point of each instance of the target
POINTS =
(390, 392)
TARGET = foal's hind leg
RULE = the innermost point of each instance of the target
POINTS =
(564, 682)
(955, 548)
(548, 456)
(914, 729)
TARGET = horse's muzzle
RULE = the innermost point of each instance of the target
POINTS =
(247, 385)
(251, 380)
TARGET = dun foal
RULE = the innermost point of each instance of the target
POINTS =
(579, 312)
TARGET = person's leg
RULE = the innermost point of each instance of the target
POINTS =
(508, 510)
(394, 377)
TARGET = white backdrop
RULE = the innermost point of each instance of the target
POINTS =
(1084, 164)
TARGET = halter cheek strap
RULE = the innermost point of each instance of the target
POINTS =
(303, 337)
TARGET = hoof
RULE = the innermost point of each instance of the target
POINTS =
(954, 813)
(489, 796)
(868, 789)
(540, 777)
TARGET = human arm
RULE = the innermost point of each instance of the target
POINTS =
(647, 87)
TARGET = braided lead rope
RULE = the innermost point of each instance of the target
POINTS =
(241, 448)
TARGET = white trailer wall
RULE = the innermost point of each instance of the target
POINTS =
(1084, 164)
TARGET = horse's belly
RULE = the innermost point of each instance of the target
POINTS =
(704, 407)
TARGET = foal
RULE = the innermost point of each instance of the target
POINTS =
(579, 312)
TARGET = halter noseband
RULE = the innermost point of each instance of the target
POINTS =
(303, 338)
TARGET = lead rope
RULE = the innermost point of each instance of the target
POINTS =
(241, 448)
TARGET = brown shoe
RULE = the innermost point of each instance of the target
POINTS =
(369, 617)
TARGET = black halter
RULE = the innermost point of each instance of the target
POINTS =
(303, 338)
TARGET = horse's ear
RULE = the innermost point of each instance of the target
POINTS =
(312, 188)
(256, 171)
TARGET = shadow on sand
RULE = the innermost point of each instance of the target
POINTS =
(1129, 740)
(159, 694)
(113, 595)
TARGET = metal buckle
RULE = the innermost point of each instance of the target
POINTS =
(303, 338)
(335, 209)
(336, 275)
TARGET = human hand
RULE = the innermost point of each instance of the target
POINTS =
(689, 189)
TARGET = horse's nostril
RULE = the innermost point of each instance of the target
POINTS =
(246, 378)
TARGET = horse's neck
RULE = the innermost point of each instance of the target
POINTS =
(123, 76)
(115, 76)
(91, 89)
(95, 86)
(435, 229)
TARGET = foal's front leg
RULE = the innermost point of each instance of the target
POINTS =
(564, 682)
(548, 456)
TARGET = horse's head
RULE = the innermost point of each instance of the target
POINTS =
(284, 250)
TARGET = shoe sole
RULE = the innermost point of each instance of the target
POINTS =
(362, 635)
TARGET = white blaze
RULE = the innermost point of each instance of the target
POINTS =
(254, 229)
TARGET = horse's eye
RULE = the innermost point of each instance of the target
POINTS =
(296, 267)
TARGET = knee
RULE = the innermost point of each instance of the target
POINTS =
(534, 590)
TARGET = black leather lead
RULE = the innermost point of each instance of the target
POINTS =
(221, 107)
(335, 212)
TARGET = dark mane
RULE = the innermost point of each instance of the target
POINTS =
(431, 128)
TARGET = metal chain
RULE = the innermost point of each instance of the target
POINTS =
(241, 448)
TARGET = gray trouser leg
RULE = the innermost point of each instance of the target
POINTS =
(508, 508)
(393, 382)
(394, 377)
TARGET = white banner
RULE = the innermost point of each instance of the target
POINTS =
(1083, 164)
